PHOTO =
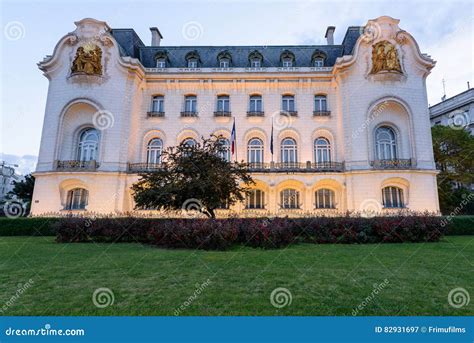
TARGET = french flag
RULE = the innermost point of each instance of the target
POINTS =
(232, 139)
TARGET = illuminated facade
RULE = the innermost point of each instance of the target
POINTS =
(351, 124)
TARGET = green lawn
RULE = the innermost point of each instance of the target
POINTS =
(323, 279)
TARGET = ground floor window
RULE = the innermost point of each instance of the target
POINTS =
(290, 199)
(77, 199)
(392, 197)
(325, 198)
(255, 199)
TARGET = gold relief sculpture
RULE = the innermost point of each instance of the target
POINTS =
(385, 58)
(88, 60)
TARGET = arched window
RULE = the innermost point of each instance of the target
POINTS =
(161, 59)
(225, 60)
(161, 63)
(77, 199)
(288, 103)
(287, 59)
(88, 145)
(322, 150)
(385, 143)
(290, 199)
(255, 152)
(320, 103)
(192, 59)
(255, 59)
(153, 151)
(158, 104)
(224, 152)
(223, 103)
(255, 199)
(325, 198)
(392, 197)
(256, 103)
(189, 142)
(289, 151)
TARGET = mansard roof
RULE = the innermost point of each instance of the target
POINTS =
(131, 45)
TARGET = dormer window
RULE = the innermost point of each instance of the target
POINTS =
(161, 59)
(287, 59)
(255, 59)
(192, 59)
(161, 63)
(318, 59)
(225, 59)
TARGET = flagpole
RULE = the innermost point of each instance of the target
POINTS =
(271, 141)
(235, 141)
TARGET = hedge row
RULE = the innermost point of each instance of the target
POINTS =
(37, 226)
(459, 225)
(220, 234)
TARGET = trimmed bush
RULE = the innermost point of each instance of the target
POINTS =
(460, 225)
(221, 234)
(27, 226)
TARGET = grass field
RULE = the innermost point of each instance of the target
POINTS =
(322, 279)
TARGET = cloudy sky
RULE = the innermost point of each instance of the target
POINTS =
(443, 29)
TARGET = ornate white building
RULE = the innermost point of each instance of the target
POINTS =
(351, 128)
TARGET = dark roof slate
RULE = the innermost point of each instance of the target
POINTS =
(132, 46)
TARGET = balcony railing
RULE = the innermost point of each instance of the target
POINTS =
(255, 113)
(155, 114)
(321, 113)
(143, 167)
(392, 164)
(75, 165)
(261, 167)
(189, 114)
(300, 167)
(222, 114)
(289, 113)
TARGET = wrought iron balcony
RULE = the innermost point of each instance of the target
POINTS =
(392, 164)
(299, 167)
(289, 113)
(155, 114)
(75, 165)
(321, 113)
(189, 114)
(255, 113)
(143, 167)
(222, 114)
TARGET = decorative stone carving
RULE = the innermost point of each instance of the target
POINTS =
(88, 60)
(385, 58)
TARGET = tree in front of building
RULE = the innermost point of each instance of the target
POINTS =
(454, 157)
(193, 176)
(23, 191)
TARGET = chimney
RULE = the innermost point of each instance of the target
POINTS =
(156, 36)
(468, 85)
(330, 34)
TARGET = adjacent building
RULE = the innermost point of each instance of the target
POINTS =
(351, 128)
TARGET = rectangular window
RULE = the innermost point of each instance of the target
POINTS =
(158, 104)
(224, 64)
(288, 103)
(192, 64)
(223, 104)
(320, 103)
(190, 104)
(256, 104)
(161, 64)
(255, 64)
